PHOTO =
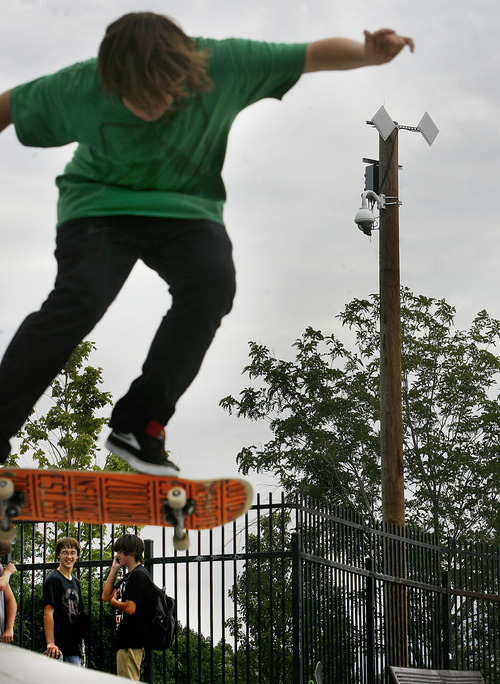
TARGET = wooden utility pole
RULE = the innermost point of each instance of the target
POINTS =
(391, 411)
(391, 418)
(391, 422)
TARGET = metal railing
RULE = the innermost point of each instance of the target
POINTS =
(262, 600)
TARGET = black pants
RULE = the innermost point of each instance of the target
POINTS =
(95, 257)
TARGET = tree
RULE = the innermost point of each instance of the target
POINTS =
(65, 436)
(263, 624)
(194, 657)
(323, 409)
(263, 595)
(323, 417)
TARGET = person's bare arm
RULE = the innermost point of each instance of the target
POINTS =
(9, 570)
(129, 607)
(5, 116)
(48, 626)
(10, 616)
(109, 586)
(336, 54)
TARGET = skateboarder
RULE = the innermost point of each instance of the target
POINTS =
(8, 605)
(151, 115)
(63, 605)
(134, 600)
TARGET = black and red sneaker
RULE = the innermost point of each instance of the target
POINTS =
(144, 451)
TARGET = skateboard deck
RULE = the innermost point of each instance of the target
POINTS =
(120, 498)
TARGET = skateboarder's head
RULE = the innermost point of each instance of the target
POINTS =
(130, 545)
(68, 544)
(151, 64)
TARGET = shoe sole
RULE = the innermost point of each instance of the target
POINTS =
(140, 465)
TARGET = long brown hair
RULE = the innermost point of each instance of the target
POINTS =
(148, 59)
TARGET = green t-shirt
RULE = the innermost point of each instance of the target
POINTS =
(124, 165)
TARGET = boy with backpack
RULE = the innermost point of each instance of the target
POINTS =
(134, 599)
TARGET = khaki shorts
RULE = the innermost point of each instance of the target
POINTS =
(128, 663)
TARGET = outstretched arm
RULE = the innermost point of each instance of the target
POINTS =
(5, 117)
(332, 54)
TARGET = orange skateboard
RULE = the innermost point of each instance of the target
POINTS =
(119, 498)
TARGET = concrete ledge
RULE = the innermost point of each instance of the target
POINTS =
(20, 666)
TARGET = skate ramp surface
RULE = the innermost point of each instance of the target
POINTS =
(20, 666)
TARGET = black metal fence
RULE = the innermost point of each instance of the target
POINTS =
(262, 600)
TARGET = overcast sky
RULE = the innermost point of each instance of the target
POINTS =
(294, 175)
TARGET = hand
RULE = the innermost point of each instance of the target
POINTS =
(383, 45)
(52, 651)
(9, 569)
(8, 636)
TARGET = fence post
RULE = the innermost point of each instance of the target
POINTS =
(297, 606)
(446, 657)
(370, 623)
(149, 663)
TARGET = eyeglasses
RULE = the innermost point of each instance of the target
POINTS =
(69, 553)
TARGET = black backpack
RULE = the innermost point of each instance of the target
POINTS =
(163, 626)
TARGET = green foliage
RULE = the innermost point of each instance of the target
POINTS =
(117, 464)
(192, 658)
(264, 621)
(451, 413)
(65, 437)
(323, 410)
(263, 594)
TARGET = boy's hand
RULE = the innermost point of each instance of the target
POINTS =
(383, 45)
(8, 636)
(52, 651)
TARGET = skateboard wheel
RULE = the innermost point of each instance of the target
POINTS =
(9, 534)
(6, 488)
(176, 497)
(181, 544)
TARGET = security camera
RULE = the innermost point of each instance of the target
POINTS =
(365, 218)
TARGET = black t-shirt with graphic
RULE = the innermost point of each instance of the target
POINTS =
(138, 587)
(66, 598)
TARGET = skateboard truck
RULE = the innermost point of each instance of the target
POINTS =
(10, 505)
(176, 507)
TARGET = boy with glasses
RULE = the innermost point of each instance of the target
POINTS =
(63, 605)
